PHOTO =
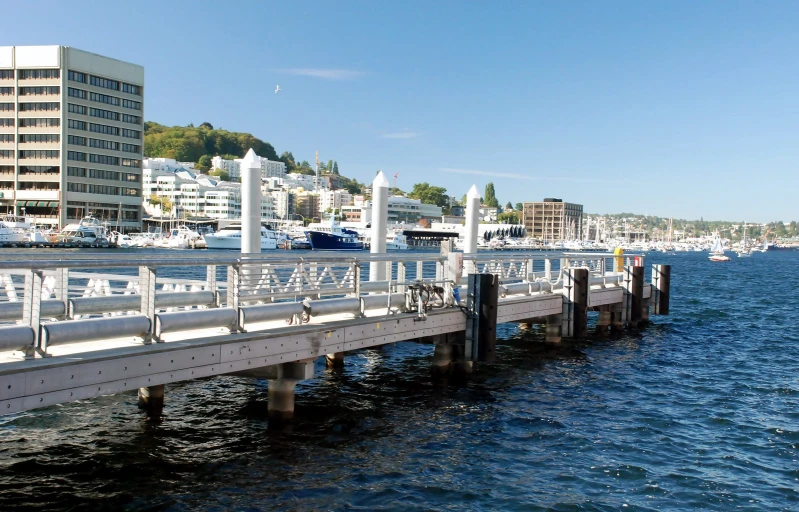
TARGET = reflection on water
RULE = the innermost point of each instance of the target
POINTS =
(699, 410)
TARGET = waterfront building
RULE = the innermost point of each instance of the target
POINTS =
(334, 199)
(269, 168)
(71, 136)
(552, 220)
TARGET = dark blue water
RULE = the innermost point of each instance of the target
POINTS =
(698, 411)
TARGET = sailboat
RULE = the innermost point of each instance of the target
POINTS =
(717, 251)
(745, 251)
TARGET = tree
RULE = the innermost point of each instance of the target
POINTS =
(207, 125)
(519, 206)
(490, 198)
(509, 206)
(335, 168)
(429, 194)
(203, 163)
(329, 167)
(508, 218)
(222, 174)
(287, 158)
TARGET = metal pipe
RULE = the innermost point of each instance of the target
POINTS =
(49, 309)
(195, 319)
(382, 301)
(269, 312)
(16, 337)
(350, 305)
(112, 303)
(75, 331)
(375, 286)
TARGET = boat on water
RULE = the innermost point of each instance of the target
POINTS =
(181, 238)
(332, 237)
(88, 231)
(398, 242)
(10, 234)
(717, 251)
(229, 237)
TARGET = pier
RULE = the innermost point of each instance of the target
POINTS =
(79, 326)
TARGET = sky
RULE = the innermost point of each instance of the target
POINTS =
(684, 109)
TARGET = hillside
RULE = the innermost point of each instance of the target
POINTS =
(200, 144)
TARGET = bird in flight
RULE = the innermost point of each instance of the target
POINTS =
(277, 89)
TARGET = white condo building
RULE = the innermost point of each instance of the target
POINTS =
(71, 136)
(269, 168)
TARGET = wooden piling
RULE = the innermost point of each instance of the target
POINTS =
(637, 295)
(661, 283)
(151, 400)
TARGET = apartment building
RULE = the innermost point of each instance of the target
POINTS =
(269, 168)
(71, 136)
(552, 220)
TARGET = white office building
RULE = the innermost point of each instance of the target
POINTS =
(269, 168)
(71, 136)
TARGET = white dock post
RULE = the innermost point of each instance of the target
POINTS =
(472, 220)
(377, 269)
(250, 203)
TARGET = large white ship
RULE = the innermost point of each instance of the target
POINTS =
(229, 237)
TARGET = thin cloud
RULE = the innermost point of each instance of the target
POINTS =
(324, 73)
(400, 135)
(516, 176)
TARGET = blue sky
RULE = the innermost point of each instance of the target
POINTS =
(685, 109)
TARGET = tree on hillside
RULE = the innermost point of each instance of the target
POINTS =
(519, 206)
(329, 168)
(335, 168)
(509, 206)
(222, 174)
(287, 158)
(490, 198)
(508, 218)
(207, 125)
(429, 194)
(203, 163)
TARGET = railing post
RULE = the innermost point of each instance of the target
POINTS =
(210, 282)
(401, 276)
(147, 291)
(548, 269)
(31, 308)
(234, 293)
(356, 278)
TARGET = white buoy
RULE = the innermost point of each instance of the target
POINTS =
(250, 203)
(377, 269)
(472, 220)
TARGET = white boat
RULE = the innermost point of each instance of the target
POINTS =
(11, 235)
(229, 237)
(717, 251)
(88, 231)
(181, 238)
(397, 243)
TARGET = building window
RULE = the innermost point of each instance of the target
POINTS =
(6, 137)
(6, 91)
(39, 73)
(76, 93)
(45, 106)
(103, 159)
(39, 137)
(104, 83)
(39, 91)
(76, 140)
(126, 118)
(101, 174)
(7, 121)
(131, 134)
(129, 162)
(6, 107)
(76, 109)
(76, 155)
(130, 177)
(39, 122)
(103, 98)
(6, 153)
(38, 153)
(80, 172)
(104, 189)
(5, 74)
(104, 144)
(130, 191)
(102, 128)
(76, 125)
(131, 89)
(135, 105)
(76, 76)
(76, 187)
(38, 169)
(130, 148)
(105, 114)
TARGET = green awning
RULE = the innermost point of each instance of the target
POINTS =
(53, 204)
(41, 203)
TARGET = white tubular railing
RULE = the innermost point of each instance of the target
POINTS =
(124, 296)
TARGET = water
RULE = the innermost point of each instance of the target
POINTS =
(699, 410)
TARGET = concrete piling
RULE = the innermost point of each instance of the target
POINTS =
(335, 360)
(151, 400)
